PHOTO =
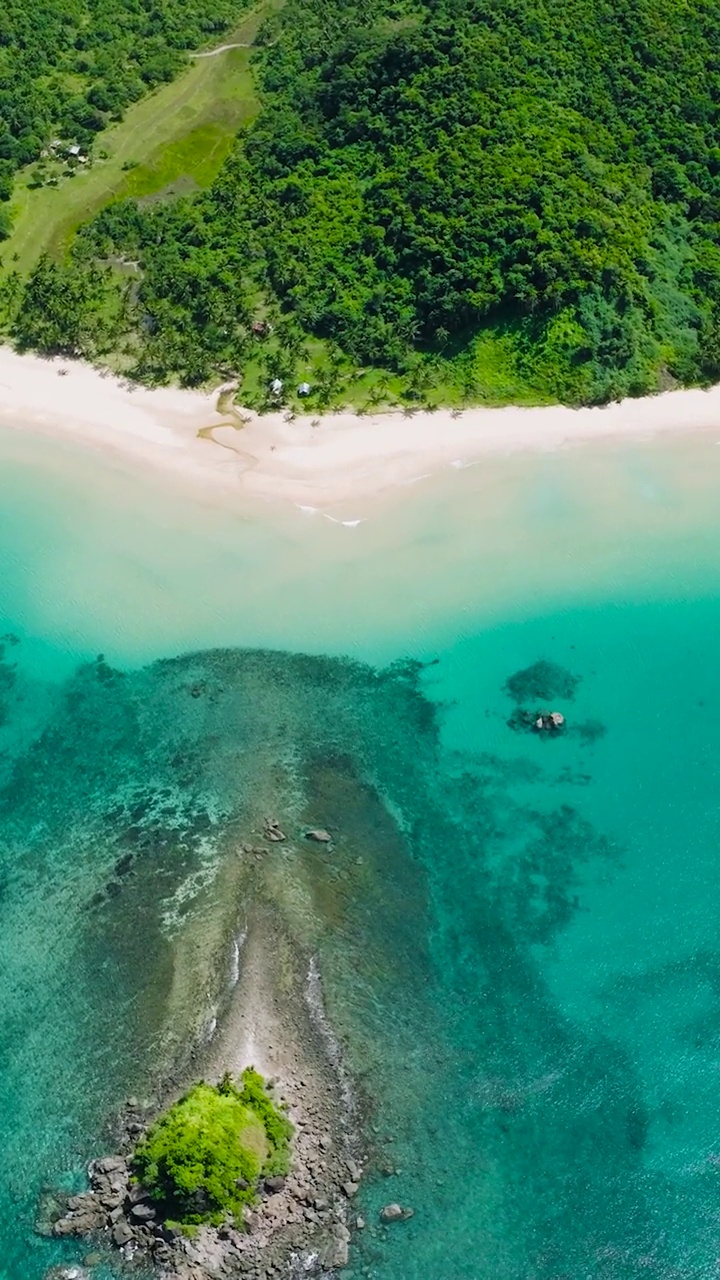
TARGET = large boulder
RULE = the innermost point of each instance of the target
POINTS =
(122, 1233)
(109, 1165)
(84, 1214)
(143, 1212)
(395, 1213)
(334, 1255)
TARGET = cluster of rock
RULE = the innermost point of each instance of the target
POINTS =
(548, 723)
(306, 1216)
(273, 832)
(113, 1206)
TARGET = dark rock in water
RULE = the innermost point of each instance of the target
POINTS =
(319, 835)
(78, 1215)
(542, 682)
(273, 830)
(51, 1206)
(81, 1222)
(395, 1213)
(109, 1164)
(547, 723)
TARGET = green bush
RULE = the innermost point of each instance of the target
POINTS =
(202, 1159)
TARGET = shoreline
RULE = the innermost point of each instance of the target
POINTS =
(347, 456)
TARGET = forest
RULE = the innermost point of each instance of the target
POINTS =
(479, 199)
(70, 67)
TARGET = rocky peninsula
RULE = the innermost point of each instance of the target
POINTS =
(297, 1214)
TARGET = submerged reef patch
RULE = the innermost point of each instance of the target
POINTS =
(542, 682)
(425, 912)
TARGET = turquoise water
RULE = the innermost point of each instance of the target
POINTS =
(518, 936)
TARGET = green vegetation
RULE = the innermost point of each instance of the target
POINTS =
(202, 1159)
(172, 141)
(70, 67)
(439, 201)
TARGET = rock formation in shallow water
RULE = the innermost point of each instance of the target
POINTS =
(172, 1198)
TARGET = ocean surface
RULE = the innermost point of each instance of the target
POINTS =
(519, 935)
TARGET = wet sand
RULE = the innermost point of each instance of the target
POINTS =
(344, 456)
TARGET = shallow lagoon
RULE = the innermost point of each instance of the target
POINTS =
(523, 965)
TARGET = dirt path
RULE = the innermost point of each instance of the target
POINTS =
(222, 48)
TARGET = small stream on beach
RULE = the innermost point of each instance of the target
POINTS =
(518, 935)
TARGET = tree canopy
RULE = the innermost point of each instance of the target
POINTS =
(437, 180)
(71, 66)
(202, 1159)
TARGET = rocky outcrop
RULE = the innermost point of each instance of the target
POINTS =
(302, 1215)
(395, 1213)
(97, 1209)
(548, 723)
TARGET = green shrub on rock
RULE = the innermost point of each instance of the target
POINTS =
(202, 1159)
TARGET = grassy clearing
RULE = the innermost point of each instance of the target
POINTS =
(486, 371)
(180, 134)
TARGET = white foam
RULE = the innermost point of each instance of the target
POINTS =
(237, 946)
(347, 524)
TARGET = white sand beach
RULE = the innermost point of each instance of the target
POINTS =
(345, 456)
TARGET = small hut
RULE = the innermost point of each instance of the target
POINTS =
(304, 389)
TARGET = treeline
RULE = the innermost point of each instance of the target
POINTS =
(72, 66)
(429, 179)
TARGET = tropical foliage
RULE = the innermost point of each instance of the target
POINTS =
(68, 67)
(202, 1159)
(516, 197)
